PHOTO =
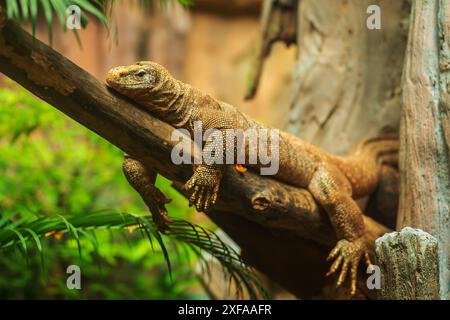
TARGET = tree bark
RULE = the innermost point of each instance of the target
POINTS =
(278, 225)
(347, 83)
(409, 265)
(425, 129)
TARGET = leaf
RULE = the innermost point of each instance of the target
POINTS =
(195, 237)
(94, 242)
(86, 5)
(36, 238)
(48, 17)
(101, 10)
(21, 238)
(33, 15)
(156, 234)
(59, 7)
(38, 246)
(24, 7)
(73, 230)
(12, 10)
(5, 218)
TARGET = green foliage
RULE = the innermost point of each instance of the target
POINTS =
(50, 164)
(27, 11)
(57, 179)
(192, 237)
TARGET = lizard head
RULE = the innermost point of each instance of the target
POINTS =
(152, 86)
(140, 81)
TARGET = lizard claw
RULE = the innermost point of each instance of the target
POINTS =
(205, 186)
(346, 255)
(158, 210)
(161, 219)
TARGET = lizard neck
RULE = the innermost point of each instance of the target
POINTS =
(172, 102)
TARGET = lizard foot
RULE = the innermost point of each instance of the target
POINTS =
(347, 254)
(204, 185)
(157, 207)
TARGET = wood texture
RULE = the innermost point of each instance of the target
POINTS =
(347, 84)
(254, 210)
(278, 24)
(409, 265)
(425, 129)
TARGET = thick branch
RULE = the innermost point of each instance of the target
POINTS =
(425, 128)
(252, 209)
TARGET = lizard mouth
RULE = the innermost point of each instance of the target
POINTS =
(122, 84)
(126, 85)
(118, 79)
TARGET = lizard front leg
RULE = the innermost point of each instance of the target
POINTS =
(332, 191)
(204, 185)
(205, 182)
(142, 179)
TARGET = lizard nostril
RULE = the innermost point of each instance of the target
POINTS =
(112, 76)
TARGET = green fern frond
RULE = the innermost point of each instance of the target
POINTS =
(197, 238)
(27, 11)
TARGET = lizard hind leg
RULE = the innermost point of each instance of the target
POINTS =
(332, 191)
(142, 179)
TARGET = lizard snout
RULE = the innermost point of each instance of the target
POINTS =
(113, 76)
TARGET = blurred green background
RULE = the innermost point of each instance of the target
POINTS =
(51, 165)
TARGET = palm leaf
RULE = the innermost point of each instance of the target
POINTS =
(197, 238)
(27, 11)
(12, 9)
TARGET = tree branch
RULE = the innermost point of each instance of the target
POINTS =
(266, 218)
(425, 129)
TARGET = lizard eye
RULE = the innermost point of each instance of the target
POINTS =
(141, 73)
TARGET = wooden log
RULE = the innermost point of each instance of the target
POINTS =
(409, 265)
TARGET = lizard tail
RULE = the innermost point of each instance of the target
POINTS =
(362, 166)
(381, 149)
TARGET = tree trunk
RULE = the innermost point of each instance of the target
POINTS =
(425, 129)
(348, 80)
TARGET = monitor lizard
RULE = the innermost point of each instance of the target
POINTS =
(335, 182)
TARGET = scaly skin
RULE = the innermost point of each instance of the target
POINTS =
(334, 182)
(143, 179)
